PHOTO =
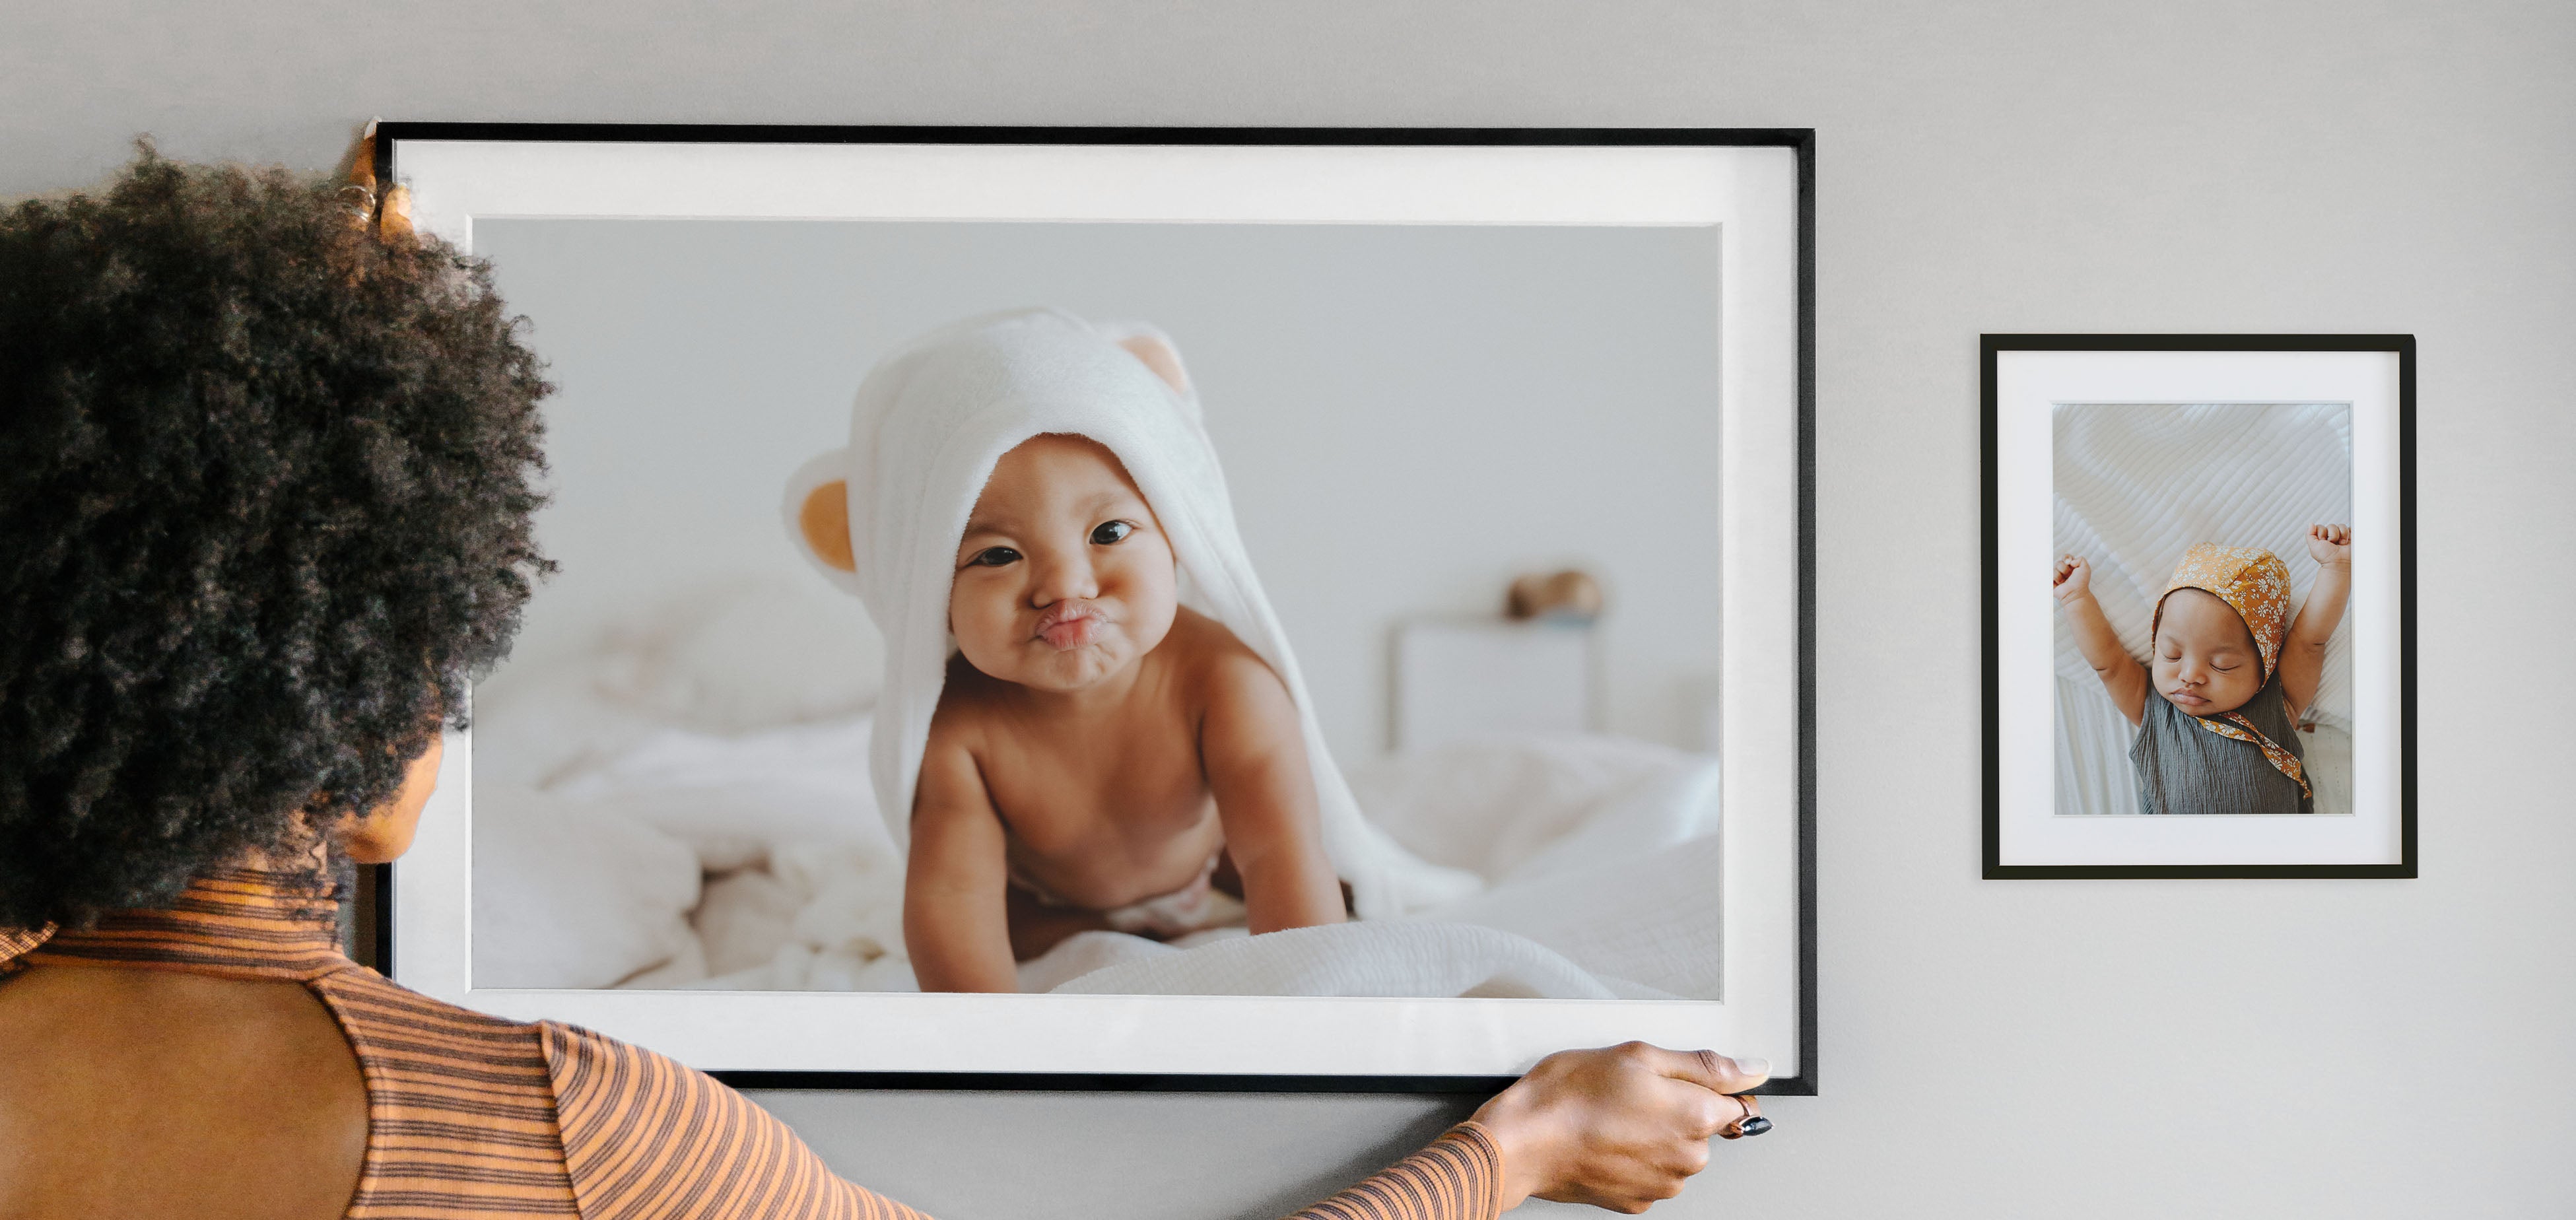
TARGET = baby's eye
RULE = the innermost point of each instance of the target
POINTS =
(993, 557)
(1109, 532)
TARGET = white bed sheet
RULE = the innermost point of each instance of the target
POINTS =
(1600, 852)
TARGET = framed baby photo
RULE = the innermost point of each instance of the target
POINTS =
(2199, 605)
(1185, 608)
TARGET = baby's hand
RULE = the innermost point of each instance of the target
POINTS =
(2330, 546)
(2074, 579)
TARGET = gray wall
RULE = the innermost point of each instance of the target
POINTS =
(1394, 366)
(2339, 1048)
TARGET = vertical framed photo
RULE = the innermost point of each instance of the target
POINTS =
(1411, 378)
(2199, 605)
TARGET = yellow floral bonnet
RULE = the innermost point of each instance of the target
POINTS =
(2252, 580)
(2256, 584)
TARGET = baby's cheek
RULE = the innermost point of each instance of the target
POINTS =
(976, 621)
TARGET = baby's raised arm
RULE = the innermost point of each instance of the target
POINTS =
(2121, 674)
(2303, 654)
(1254, 753)
(953, 917)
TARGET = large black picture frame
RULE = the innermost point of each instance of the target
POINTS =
(379, 935)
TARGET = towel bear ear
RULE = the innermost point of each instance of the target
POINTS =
(817, 512)
(1149, 344)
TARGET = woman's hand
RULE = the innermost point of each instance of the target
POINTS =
(387, 213)
(1617, 1127)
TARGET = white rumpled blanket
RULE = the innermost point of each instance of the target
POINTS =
(1602, 865)
(1600, 854)
(2137, 485)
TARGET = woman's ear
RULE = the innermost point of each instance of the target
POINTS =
(379, 835)
(817, 512)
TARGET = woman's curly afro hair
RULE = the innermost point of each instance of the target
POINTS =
(265, 482)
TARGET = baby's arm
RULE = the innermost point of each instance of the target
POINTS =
(953, 919)
(2121, 674)
(1254, 754)
(2303, 654)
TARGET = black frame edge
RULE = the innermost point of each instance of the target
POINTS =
(1989, 627)
(1802, 143)
(1801, 138)
(1990, 346)
(1112, 1082)
(1805, 1083)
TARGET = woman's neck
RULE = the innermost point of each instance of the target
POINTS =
(309, 859)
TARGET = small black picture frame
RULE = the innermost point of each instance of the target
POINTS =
(2132, 425)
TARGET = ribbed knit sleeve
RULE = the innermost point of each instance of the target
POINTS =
(16, 943)
(470, 1114)
(1458, 1177)
(646, 1138)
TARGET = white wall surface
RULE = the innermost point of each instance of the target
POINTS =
(2097, 1049)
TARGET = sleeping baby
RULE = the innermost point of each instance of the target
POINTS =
(1101, 757)
(2229, 674)
(1091, 718)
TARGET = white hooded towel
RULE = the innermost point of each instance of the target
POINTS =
(931, 420)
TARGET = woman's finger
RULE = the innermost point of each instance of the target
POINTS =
(1750, 1122)
(1686, 1111)
(393, 218)
(1710, 1070)
(1717, 1114)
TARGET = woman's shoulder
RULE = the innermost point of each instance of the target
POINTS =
(376, 1011)
(421, 1053)
(460, 1104)
(626, 1132)
(647, 1136)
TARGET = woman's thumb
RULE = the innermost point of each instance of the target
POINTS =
(1711, 1070)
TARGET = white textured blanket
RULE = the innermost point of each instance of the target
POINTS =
(1601, 854)
(931, 420)
(1603, 861)
(2137, 485)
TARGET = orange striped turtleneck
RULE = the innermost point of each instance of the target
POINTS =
(472, 1115)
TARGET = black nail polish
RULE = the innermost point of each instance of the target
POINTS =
(1755, 1125)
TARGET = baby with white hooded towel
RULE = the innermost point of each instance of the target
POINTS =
(1090, 715)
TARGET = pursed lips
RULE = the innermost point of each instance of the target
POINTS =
(1069, 624)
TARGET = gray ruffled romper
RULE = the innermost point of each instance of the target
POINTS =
(2184, 768)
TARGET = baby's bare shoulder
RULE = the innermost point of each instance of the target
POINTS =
(1227, 685)
(1213, 661)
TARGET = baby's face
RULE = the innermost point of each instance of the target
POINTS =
(1063, 576)
(2205, 660)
